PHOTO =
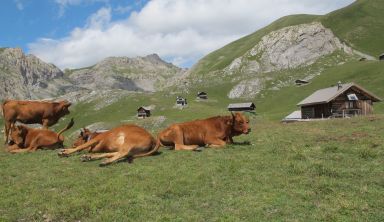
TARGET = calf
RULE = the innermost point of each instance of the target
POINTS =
(214, 132)
(85, 136)
(126, 141)
(25, 139)
(43, 112)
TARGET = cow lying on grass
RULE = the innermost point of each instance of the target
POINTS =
(85, 136)
(25, 139)
(214, 132)
(28, 112)
(126, 141)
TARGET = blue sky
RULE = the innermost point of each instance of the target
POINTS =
(78, 33)
(27, 20)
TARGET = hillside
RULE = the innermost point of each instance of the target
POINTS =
(149, 73)
(360, 25)
(319, 171)
(27, 77)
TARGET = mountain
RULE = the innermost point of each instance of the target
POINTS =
(149, 73)
(293, 47)
(27, 77)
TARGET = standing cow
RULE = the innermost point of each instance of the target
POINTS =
(43, 112)
(214, 132)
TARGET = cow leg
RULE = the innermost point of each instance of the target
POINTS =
(217, 143)
(45, 123)
(185, 147)
(86, 145)
(12, 147)
(7, 128)
(29, 149)
(96, 156)
(117, 156)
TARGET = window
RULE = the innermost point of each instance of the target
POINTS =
(352, 97)
(349, 104)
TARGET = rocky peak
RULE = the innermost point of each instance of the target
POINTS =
(23, 76)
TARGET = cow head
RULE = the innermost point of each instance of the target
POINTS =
(83, 137)
(18, 134)
(240, 124)
(63, 107)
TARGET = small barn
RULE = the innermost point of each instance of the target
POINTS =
(202, 95)
(143, 112)
(181, 101)
(342, 100)
(300, 82)
(381, 57)
(248, 107)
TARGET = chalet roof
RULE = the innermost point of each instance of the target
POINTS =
(294, 115)
(201, 93)
(241, 105)
(328, 94)
(147, 108)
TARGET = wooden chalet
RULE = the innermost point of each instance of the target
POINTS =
(143, 112)
(381, 57)
(202, 95)
(300, 82)
(249, 107)
(181, 101)
(342, 100)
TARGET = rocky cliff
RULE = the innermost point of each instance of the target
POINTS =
(27, 77)
(149, 73)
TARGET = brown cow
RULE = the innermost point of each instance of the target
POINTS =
(214, 132)
(42, 112)
(85, 136)
(25, 139)
(126, 141)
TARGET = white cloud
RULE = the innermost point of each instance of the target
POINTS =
(19, 4)
(180, 30)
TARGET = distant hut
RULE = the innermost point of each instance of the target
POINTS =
(181, 101)
(300, 82)
(143, 112)
(202, 95)
(342, 100)
(249, 107)
(381, 57)
(293, 117)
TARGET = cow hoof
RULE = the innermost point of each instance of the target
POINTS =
(85, 158)
(199, 149)
(103, 164)
(62, 154)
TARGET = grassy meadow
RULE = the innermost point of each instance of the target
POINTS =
(328, 170)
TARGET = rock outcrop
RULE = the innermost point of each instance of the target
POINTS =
(149, 73)
(27, 77)
(288, 48)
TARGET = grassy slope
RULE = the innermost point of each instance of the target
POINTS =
(221, 58)
(315, 171)
(309, 172)
(360, 25)
(370, 75)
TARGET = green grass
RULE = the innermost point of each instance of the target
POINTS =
(370, 75)
(360, 25)
(330, 171)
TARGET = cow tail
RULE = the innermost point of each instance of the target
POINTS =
(70, 124)
(155, 148)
